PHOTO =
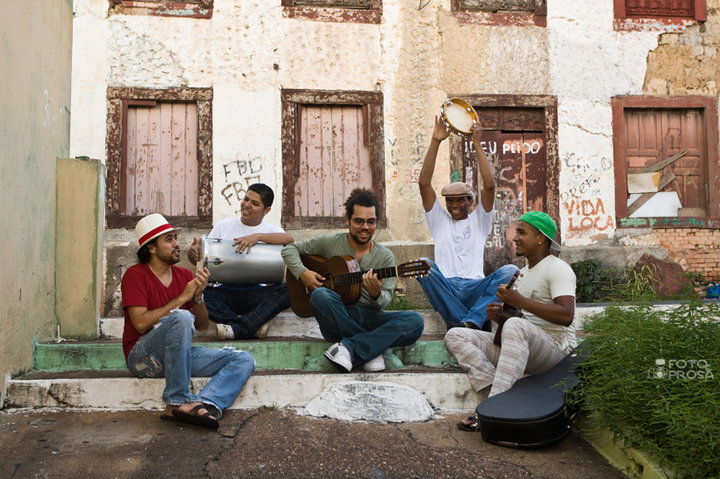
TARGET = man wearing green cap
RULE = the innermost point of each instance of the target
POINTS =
(456, 285)
(542, 336)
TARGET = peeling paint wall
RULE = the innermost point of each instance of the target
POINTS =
(417, 55)
(35, 49)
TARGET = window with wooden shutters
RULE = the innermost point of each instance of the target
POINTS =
(666, 160)
(159, 156)
(499, 5)
(164, 8)
(501, 12)
(347, 11)
(330, 3)
(332, 144)
(160, 168)
(690, 9)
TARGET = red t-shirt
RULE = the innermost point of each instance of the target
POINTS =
(140, 287)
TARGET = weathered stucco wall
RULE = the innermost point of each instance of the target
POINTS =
(419, 53)
(35, 49)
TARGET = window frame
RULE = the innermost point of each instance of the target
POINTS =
(162, 8)
(709, 107)
(538, 17)
(118, 100)
(548, 104)
(333, 13)
(623, 22)
(369, 100)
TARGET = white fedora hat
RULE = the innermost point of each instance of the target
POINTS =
(152, 226)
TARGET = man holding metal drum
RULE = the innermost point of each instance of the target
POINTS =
(242, 310)
(457, 286)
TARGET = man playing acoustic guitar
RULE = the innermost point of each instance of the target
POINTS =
(361, 332)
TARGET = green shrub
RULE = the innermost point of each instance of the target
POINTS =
(672, 410)
(593, 281)
(400, 302)
(633, 285)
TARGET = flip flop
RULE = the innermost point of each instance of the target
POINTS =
(165, 417)
(192, 417)
(472, 427)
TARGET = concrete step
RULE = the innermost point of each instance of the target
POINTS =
(448, 391)
(288, 354)
(291, 370)
(284, 325)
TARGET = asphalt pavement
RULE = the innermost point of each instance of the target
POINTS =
(270, 443)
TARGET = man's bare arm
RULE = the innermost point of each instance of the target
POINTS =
(487, 191)
(427, 192)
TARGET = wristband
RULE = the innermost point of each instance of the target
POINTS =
(202, 299)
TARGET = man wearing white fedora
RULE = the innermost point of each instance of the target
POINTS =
(457, 286)
(163, 304)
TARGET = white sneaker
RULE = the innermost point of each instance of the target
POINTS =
(261, 333)
(340, 357)
(224, 331)
(375, 365)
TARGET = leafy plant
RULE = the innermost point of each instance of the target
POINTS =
(593, 280)
(401, 302)
(649, 378)
(635, 284)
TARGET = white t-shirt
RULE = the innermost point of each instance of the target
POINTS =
(232, 228)
(550, 278)
(459, 245)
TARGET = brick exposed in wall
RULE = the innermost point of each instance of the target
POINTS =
(697, 251)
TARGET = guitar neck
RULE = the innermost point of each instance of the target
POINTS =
(356, 276)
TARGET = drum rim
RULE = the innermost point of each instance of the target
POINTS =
(467, 106)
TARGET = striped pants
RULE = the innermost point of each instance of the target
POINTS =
(525, 348)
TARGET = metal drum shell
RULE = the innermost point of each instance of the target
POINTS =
(263, 264)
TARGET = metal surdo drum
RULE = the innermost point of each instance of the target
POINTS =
(262, 265)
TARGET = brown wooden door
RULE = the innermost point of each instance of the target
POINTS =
(655, 134)
(160, 160)
(514, 142)
(333, 159)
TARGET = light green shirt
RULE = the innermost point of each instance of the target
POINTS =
(328, 246)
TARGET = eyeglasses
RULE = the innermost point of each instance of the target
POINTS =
(360, 221)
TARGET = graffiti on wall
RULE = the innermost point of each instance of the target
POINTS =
(405, 179)
(238, 175)
(583, 200)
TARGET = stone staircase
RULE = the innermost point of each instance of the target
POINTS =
(290, 370)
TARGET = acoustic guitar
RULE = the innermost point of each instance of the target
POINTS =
(343, 275)
(508, 311)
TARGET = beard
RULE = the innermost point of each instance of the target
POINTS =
(360, 240)
(171, 258)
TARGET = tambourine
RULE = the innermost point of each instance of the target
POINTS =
(459, 116)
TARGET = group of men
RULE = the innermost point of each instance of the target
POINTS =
(163, 303)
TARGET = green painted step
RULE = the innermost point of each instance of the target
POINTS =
(269, 355)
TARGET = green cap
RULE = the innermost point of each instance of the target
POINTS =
(544, 224)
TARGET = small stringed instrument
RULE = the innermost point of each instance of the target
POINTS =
(343, 275)
(508, 311)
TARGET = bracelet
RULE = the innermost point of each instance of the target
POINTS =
(202, 299)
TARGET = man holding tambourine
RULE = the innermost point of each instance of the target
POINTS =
(457, 286)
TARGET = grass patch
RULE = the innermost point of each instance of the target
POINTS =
(400, 302)
(670, 410)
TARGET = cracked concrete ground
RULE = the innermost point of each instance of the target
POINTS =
(270, 443)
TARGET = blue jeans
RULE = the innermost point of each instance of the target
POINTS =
(245, 307)
(365, 332)
(167, 350)
(460, 300)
